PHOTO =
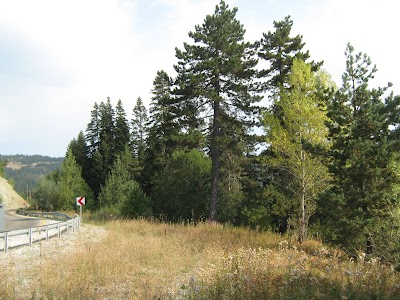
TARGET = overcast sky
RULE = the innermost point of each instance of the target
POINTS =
(57, 58)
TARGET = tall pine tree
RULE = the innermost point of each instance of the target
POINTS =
(139, 130)
(121, 130)
(279, 50)
(215, 84)
(364, 160)
(162, 130)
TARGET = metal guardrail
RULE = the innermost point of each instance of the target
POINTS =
(46, 215)
(20, 237)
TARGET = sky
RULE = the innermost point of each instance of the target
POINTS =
(58, 57)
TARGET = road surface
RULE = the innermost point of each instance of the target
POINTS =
(14, 221)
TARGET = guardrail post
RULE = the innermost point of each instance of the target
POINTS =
(68, 227)
(59, 230)
(47, 233)
(2, 217)
(6, 242)
(30, 237)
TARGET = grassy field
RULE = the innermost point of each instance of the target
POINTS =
(147, 260)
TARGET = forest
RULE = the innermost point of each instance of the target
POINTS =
(279, 147)
(24, 171)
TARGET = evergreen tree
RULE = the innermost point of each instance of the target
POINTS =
(122, 192)
(215, 75)
(293, 142)
(121, 130)
(279, 49)
(106, 147)
(139, 130)
(93, 131)
(162, 130)
(357, 210)
(80, 151)
(100, 139)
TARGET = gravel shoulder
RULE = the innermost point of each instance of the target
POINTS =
(21, 265)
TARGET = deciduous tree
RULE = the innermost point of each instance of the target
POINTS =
(304, 128)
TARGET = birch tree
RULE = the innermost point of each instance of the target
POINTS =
(293, 137)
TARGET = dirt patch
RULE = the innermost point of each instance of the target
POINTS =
(10, 198)
(14, 165)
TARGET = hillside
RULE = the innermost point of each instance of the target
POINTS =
(26, 170)
(10, 198)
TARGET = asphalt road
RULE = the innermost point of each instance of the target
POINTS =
(14, 221)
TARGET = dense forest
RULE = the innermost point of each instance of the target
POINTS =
(280, 148)
(25, 171)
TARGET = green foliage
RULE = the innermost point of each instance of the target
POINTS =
(25, 171)
(121, 131)
(184, 190)
(59, 189)
(293, 134)
(71, 184)
(279, 49)
(139, 130)
(46, 195)
(214, 86)
(2, 166)
(364, 161)
(122, 192)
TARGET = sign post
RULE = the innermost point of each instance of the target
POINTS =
(80, 201)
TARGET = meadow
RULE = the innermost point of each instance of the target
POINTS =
(151, 260)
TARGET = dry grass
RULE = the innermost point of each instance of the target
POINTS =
(145, 260)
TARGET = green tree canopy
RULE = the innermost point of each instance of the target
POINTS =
(215, 85)
(304, 128)
(183, 192)
(122, 191)
(365, 153)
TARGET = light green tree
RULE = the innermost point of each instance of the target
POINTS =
(71, 184)
(294, 137)
(122, 192)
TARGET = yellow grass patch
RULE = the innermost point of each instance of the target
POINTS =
(149, 260)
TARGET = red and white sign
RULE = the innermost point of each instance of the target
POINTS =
(80, 201)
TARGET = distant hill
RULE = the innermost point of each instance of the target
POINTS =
(24, 171)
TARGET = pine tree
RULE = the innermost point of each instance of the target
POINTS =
(215, 84)
(364, 160)
(121, 130)
(93, 130)
(106, 137)
(279, 50)
(139, 130)
(162, 130)
(80, 151)
(122, 192)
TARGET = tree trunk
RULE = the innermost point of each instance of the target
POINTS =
(215, 154)
(302, 217)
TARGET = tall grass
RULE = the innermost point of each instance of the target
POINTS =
(150, 260)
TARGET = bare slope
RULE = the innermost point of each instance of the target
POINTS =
(11, 199)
